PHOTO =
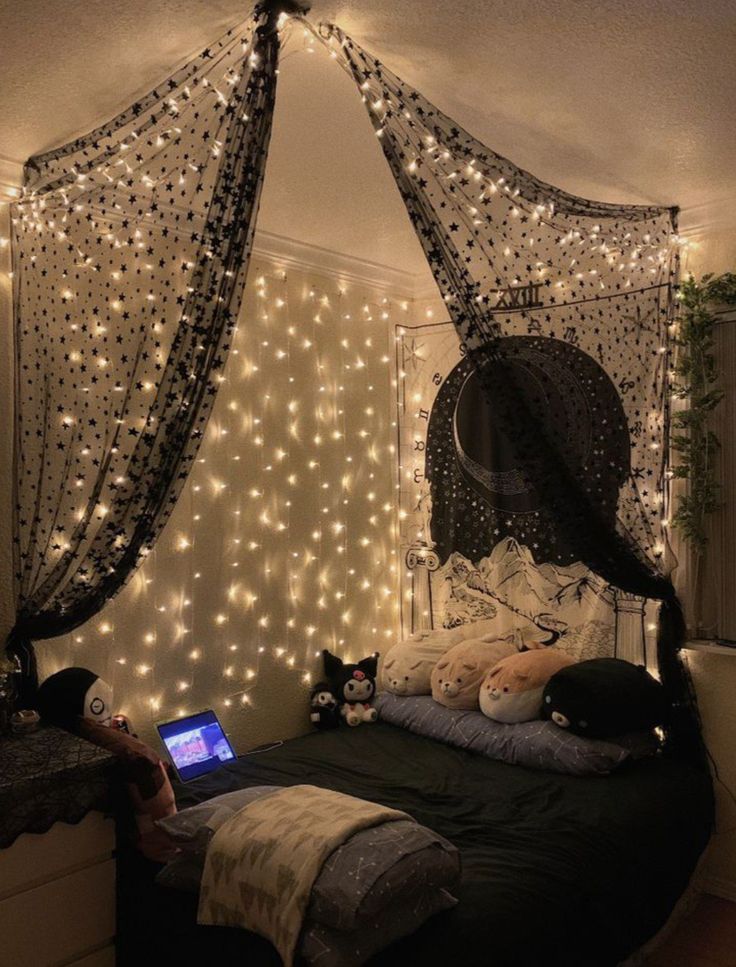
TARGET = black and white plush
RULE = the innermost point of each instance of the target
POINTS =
(354, 686)
(604, 697)
(324, 712)
(72, 692)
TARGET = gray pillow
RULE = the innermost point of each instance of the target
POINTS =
(375, 868)
(379, 867)
(539, 745)
(335, 948)
(193, 828)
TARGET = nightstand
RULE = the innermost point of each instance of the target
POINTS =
(57, 852)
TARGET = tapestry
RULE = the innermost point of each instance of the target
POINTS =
(478, 545)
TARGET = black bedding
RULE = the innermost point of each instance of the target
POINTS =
(556, 869)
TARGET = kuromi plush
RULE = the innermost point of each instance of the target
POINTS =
(354, 687)
(324, 712)
(457, 676)
(512, 691)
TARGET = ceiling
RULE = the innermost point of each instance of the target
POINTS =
(620, 101)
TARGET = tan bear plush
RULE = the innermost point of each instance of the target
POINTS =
(512, 691)
(407, 667)
(457, 677)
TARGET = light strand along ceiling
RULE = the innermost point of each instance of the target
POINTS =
(624, 101)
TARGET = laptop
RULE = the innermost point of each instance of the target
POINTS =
(196, 744)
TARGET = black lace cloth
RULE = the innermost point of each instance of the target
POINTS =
(49, 776)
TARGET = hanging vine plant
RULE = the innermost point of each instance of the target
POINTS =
(696, 381)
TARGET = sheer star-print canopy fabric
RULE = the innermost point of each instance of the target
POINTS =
(527, 270)
(130, 250)
(130, 247)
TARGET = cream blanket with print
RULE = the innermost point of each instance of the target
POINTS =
(262, 863)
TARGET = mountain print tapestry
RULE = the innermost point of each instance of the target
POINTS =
(479, 545)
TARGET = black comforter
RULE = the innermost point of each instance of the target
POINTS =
(556, 869)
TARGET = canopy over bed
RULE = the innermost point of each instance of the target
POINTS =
(131, 247)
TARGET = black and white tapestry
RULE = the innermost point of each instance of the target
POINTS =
(480, 545)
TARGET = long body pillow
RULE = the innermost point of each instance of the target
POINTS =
(538, 745)
(375, 869)
(457, 676)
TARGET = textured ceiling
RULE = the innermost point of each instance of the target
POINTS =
(627, 101)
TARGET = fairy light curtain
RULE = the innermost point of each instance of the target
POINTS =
(130, 250)
(550, 293)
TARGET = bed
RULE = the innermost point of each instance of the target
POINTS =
(557, 869)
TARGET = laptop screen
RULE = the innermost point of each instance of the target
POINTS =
(196, 744)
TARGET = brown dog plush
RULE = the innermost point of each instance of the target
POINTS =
(512, 691)
(457, 677)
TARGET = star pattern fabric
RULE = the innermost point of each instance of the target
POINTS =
(130, 249)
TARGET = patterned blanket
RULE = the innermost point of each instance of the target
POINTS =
(261, 864)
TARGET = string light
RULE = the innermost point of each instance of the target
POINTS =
(313, 401)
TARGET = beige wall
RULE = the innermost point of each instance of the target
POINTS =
(714, 676)
(282, 542)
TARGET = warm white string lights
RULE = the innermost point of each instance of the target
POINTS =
(284, 541)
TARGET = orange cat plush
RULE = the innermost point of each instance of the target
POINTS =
(512, 690)
(457, 676)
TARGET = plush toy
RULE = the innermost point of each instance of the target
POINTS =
(147, 781)
(407, 668)
(512, 691)
(324, 713)
(79, 701)
(73, 692)
(457, 676)
(353, 686)
(604, 697)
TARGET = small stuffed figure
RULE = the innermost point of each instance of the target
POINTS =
(512, 691)
(604, 697)
(73, 692)
(324, 713)
(407, 668)
(354, 687)
(457, 677)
